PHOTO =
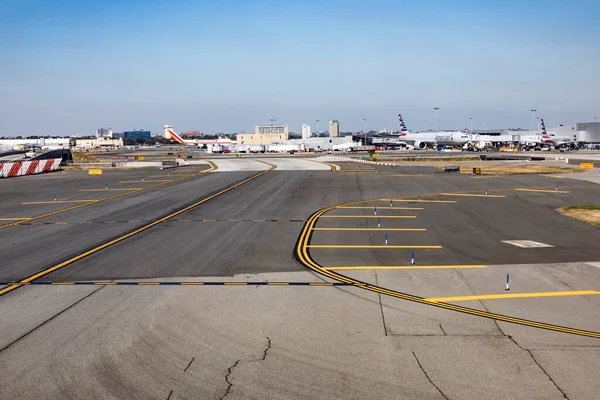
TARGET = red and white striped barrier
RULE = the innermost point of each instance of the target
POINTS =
(20, 168)
(368, 162)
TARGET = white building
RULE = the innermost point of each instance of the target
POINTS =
(305, 131)
(272, 129)
(334, 128)
(104, 133)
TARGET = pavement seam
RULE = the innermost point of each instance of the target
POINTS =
(428, 378)
(49, 319)
(539, 365)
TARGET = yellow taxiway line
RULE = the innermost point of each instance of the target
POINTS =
(13, 219)
(369, 216)
(418, 201)
(57, 201)
(384, 267)
(472, 195)
(386, 208)
(104, 190)
(148, 180)
(512, 296)
(370, 229)
(542, 191)
(348, 246)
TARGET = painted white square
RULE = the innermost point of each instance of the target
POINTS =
(526, 244)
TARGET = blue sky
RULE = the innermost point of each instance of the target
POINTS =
(74, 66)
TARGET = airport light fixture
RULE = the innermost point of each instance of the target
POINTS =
(317, 127)
(533, 111)
(471, 120)
(364, 119)
(435, 111)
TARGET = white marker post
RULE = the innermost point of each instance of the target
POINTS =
(486, 192)
(391, 203)
(106, 187)
(386, 239)
(507, 280)
(419, 197)
(412, 258)
(54, 197)
(375, 210)
(142, 179)
(556, 187)
(379, 222)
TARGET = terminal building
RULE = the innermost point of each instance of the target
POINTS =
(305, 131)
(263, 135)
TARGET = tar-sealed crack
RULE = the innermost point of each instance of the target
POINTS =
(191, 361)
(229, 383)
(381, 306)
(539, 365)
(428, 378)
(443, 330)
(170, 394)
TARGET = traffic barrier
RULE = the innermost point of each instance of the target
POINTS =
(586, 165)
(20, 168)
(94, 172)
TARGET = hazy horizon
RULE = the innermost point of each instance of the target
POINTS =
(73, 67)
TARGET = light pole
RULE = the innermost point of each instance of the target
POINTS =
(471, 120)
(435, 110)
(364, 119)
(533, 117)
(317, 128)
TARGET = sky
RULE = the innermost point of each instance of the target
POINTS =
(73, 66)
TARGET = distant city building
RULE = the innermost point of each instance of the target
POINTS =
(104, 133)
(191, 133)
(272, 129)
(305, 131)
(334, 128)
(136, 134)
(261, 138)
(117, 134)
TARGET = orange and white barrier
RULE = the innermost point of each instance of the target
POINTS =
(20, 168)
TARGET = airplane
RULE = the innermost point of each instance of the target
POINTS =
(170, 134)
(551, 138)
(423, 140)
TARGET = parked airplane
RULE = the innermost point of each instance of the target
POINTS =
(170, 134)
(551, 138)
(424, 140)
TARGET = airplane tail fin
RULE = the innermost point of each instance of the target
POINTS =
(170, 134)
(543, 127)
(402, 124)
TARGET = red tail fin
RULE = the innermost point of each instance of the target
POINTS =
(175, 137)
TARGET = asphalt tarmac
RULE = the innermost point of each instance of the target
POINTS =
(243, 223)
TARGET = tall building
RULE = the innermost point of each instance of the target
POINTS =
(305, 131)
(334, 128)
(104, 133)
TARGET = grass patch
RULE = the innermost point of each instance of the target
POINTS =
(79, 157)
(518, 169)
(585, 213)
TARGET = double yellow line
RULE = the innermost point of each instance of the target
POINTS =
(302, 255)
(213, 167)
(130, 234)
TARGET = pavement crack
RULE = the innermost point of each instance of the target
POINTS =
(428, 378)
(540, 366)
(191, 361)
(49, 319)
(267, 349)
(441, 329)
(170, 393)
(230, 384)
(381, 306)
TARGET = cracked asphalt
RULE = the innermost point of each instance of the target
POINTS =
(291, 342)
